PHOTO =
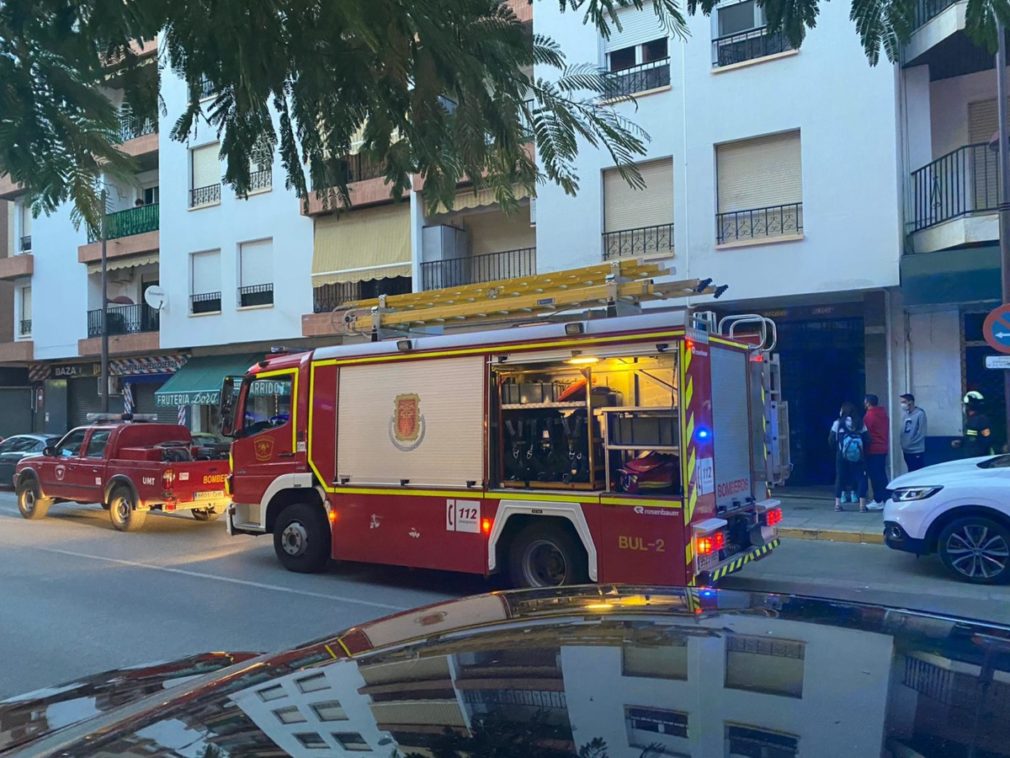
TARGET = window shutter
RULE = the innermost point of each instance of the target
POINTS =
(26, 303)
(206, 272)
(758, 173)
(983, 121)
(628, 208)
(256, 263)
(637, 26)
(26, 219)
(206, 170)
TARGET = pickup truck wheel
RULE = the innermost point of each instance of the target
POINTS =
(31, 504)
(205, 514)
(123, 512)
(302, 538)
(546, 556)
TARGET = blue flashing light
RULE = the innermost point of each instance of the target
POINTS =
(703, 433)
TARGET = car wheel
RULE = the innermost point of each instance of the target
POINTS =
(205, 514)
(302, 538)
(976, 549)
(123, 511)
(545, 555)
(31, 504)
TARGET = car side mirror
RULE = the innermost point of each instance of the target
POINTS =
(49, 451)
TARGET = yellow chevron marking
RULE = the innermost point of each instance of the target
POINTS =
(689, 392)
(689, 551)
(688, 355)
(691, 464)
(739, 563)
(689, 431)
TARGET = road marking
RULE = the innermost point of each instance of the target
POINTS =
(229, 580)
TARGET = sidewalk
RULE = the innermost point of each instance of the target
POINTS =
(814, 518)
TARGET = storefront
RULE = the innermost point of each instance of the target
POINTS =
(140, 378)
(195, 390)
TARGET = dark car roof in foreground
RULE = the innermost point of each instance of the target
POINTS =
(601, 671)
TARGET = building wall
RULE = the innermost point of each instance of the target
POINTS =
(59, 286)
(273, 214)
(935, 339)
(948, 101)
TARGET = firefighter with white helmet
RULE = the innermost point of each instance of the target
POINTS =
(977, 437)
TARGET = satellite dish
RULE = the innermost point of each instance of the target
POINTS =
(155, 297)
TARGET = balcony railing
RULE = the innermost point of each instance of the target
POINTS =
(640, 78)
(132, 221)
(131, 127)
(25, 327)
(206, 88)
(747, 46)
(360, 167)
(926, 10)
(489, 267)
(329, 297)
(257, 294)
(25, 244)
(261, 180)
(957, 184)
(646, 240)
(759, 223)
(124, 319)
(205, 195)
(205, 302)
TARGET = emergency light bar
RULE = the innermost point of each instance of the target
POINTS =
(112, 418)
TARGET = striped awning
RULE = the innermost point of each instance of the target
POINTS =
(147, 365)
(129, 261)
(482, 198)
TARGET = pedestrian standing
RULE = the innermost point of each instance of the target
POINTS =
(878, 427)
(848, 437)
(977, 438)
(913, 433)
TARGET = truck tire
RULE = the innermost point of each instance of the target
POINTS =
(205, 514)
(976, 549)
(123, 512)
(31, 504)
(302, 538)
(546, 555)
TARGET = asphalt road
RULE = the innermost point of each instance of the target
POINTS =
(77, 597)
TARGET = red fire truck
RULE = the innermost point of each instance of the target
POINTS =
(628, 449)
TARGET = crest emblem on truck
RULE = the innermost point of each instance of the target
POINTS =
(406, 427)
(264, 449)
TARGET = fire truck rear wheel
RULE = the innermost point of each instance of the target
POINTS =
(546, 555)
(302, 538)
(31, 504)
(123, 511)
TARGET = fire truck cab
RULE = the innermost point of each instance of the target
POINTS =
(633, 449)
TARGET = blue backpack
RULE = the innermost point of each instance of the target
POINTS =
(851, 445)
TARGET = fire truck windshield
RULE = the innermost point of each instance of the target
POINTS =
(266, 403)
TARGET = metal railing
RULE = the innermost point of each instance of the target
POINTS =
(143, 218)
(758, 223)
(489, 267)
(260, 180)
(329, 297)
(360, 167)
(124, 319)
(25, 244)
(131, 127)
(205, 302)
(640, 78)
(205, 88)
(960, 183)
(205, 195)
(645, 240)
(926, 10)
(25, 327)
(747, 46)
(257, 294)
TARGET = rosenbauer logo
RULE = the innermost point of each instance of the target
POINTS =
(406, 426)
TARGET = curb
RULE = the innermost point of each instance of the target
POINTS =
(832, 535)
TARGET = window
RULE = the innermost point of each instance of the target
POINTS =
(752, 742)
(664, 661)
(205, 278)
(739, 17)
(311, 740)
(70, 445)
(647, 726)
(657, 50)
(261, 161)
(150, 196)
(256, 277)
(315, 682)
(25, 311)
(759, 188)
(276, 692)
(290, 715)
(621, 59)
(98, 442)
(639, 68)
(24, 213)
(351, 741)
(331, 710)
(638, 222)
(765, 664)
(268, 405)
(205, 186)
(742, 35)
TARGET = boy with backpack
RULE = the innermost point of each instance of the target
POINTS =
(848, 439)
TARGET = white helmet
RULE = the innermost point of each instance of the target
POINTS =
(973, 397)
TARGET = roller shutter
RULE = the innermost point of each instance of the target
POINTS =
(629, 208)
(758, 173)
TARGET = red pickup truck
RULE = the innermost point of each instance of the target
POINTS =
(130, 468)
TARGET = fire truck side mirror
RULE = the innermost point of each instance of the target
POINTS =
(227, 407)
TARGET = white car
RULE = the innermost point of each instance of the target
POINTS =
(960, 510)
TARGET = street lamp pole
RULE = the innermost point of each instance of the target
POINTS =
(104, 379)
(1004, 177)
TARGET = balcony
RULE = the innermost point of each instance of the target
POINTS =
(24, 328)
(19, 351)
(130, 232)
(752, 45)
(366, 179)
(9, 189)
(205, 302)
(330, 297)
(131, 328)
(17, 266)
(256, 295)
(646, 240)
(759, 224)
(489, 267)
(261, 181)
(200, 197)
(638, 79)
(139, 136)
(954, 199)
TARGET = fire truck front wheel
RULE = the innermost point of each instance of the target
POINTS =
(546, 555)
(302, 538)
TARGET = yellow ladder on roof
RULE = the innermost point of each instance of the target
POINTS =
(629, 281)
